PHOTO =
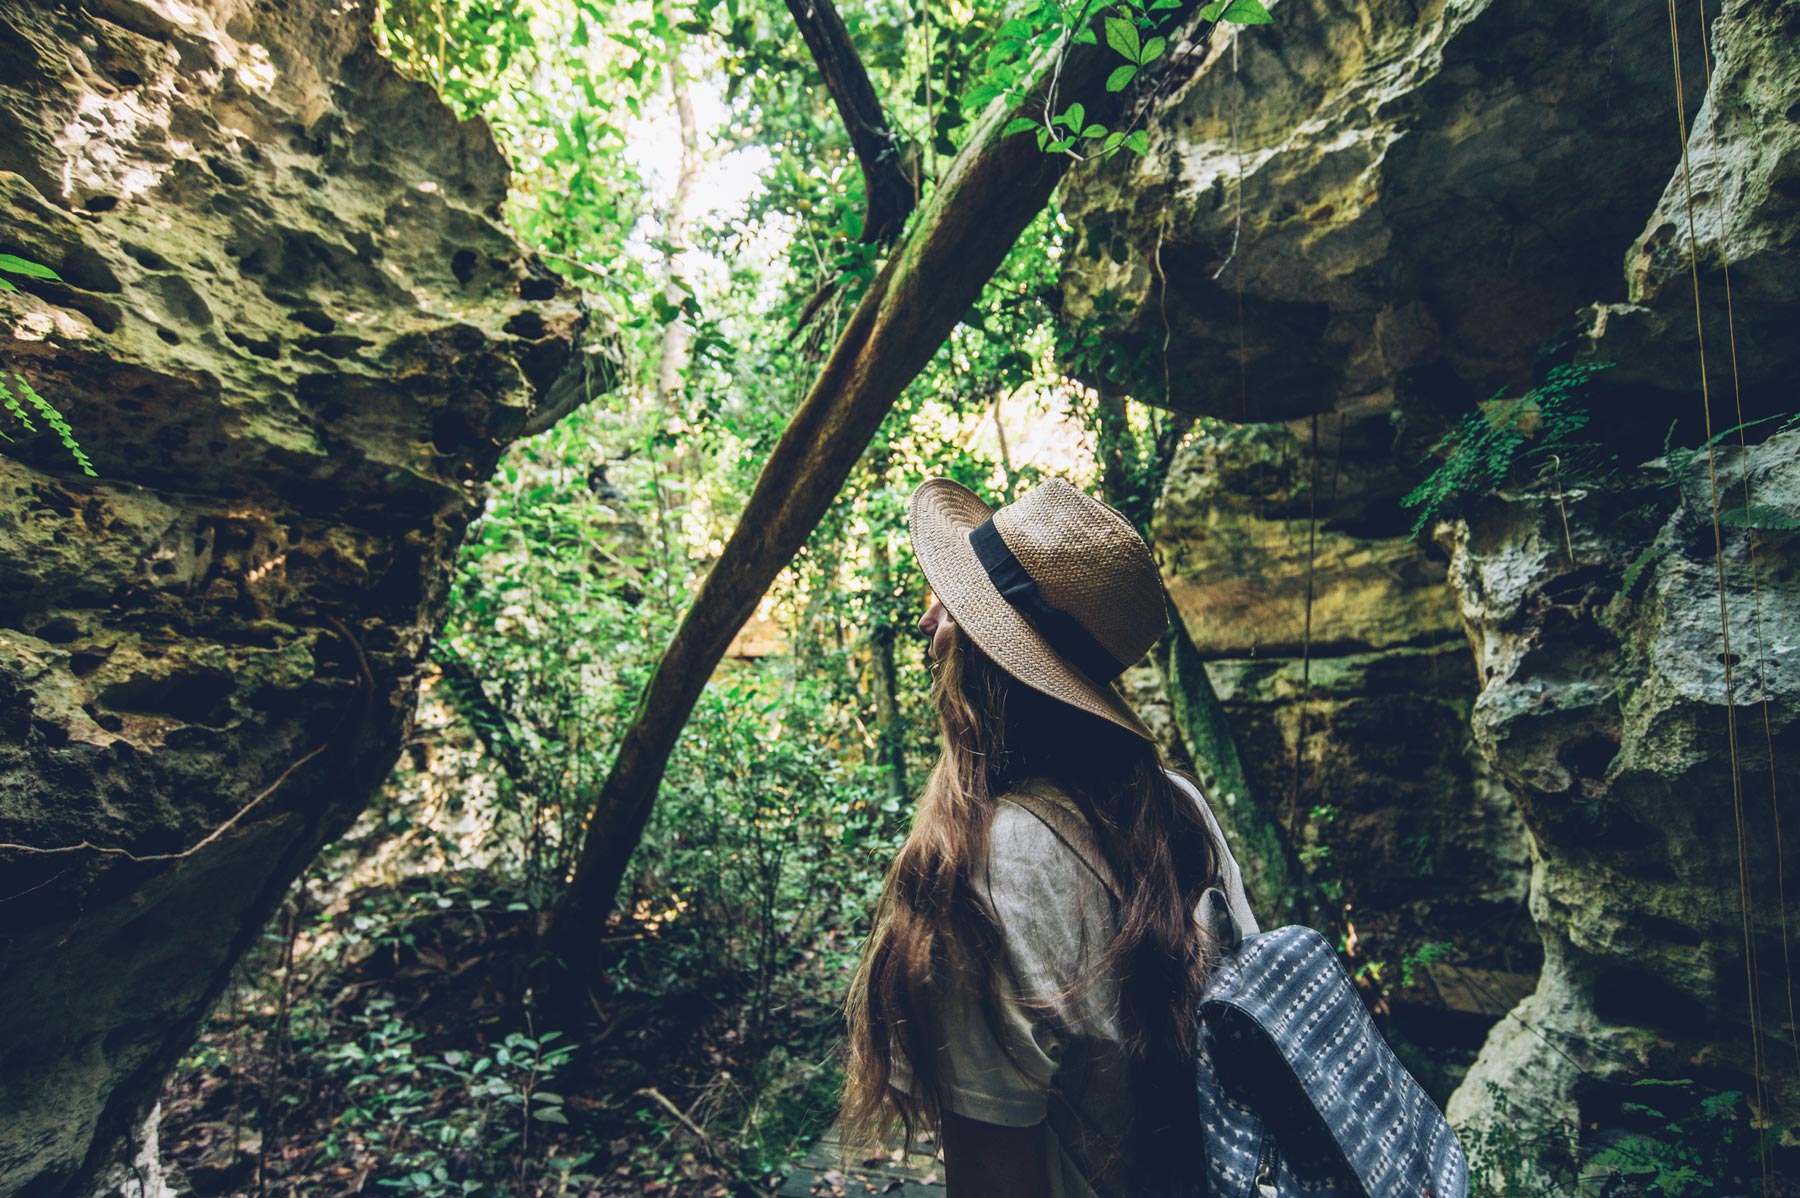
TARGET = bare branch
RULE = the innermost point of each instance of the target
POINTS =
(891, 190)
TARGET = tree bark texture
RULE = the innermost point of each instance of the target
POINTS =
(294, 336)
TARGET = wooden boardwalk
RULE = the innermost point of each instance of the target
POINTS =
(825, 1174)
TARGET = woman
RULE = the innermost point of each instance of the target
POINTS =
(1030, 985)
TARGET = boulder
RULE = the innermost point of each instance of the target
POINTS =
(293, 334)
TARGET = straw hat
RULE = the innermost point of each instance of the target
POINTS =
(1056, 587)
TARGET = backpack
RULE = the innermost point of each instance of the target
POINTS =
(1299, 1096)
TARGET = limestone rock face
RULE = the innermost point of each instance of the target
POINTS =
(1380, 200)
(293, 335)
(1604, 708)
(1383, 214)
(1368, 806)
(1739, 197)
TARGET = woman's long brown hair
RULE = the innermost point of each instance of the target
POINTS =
(997, 732)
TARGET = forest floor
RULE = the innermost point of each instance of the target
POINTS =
(395, 1048)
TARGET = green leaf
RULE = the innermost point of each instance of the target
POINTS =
(1018, 125)
(14, 264)
(1085, 37)
(1120, 77)
(981, 95)
(1112, 142)
(1212, 11)
(1138, 140)
(1122, 35)
(1246, 12)
(1152, 49)
(1072, 117)
(550, 1114)
(1162, 4)
(1761, 516)
(1095, 130)
(6, 286)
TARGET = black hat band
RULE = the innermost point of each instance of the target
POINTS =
(1063, 631)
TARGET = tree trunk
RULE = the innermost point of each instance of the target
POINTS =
(991, 191)
(890, 732)
(677, 334)
(293, 368)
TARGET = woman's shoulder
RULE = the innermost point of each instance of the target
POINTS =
(1040, 842)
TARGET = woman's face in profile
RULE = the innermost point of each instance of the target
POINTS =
(936, 624)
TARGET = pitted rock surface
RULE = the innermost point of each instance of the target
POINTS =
(1384, 214)
(294, 336)
(1604, 708)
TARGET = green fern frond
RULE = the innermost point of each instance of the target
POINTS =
(10, 402)
(1646, 557)
(1762, 517)
(46, 411)
(1489, 445)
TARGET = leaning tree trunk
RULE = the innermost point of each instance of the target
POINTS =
(294, 336)
(989, 194)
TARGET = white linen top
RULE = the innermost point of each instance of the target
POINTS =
(1056, 920)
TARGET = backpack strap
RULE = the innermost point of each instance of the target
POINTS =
(1068, 825)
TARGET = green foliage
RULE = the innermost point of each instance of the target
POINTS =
(13, 264)
(1137, 32)
(1635, 570)
(1710, 1150)
(1514, 1155)
(767, 831)
(1422, 850)
(560, 600)
(1237, 12)
(1507, 439)
(15, 399)
(1434, 950)
(394, 1104)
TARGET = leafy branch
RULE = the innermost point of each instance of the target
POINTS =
(1135, 31)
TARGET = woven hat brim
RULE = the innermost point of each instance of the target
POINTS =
(941, 514)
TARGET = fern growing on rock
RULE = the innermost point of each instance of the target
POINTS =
(1505, 438)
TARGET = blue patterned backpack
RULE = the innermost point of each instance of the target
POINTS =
(1300, 1096)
